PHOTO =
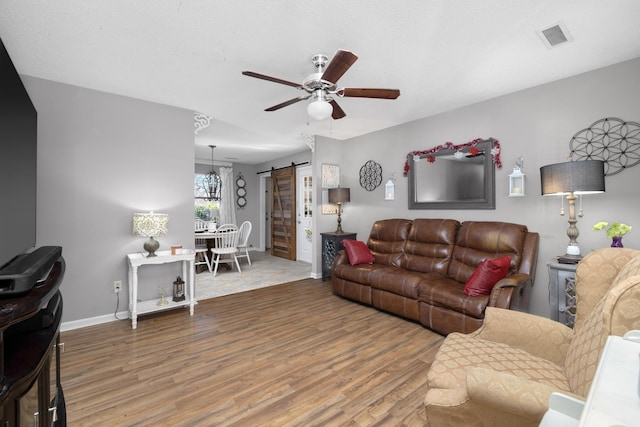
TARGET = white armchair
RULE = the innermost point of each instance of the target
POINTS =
(503, 373)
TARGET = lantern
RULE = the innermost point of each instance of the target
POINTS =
(178, 290)
(516, 180)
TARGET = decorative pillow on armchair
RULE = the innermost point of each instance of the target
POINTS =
(487, 275)
(357, 252)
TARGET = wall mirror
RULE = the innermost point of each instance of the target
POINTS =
(453, 181)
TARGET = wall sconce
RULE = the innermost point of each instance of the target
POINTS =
(571, 179)
(516, 180)
(390, 188)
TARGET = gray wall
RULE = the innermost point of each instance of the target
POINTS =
(102, 157)
(537, 124)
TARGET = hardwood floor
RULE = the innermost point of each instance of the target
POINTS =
(287, 355)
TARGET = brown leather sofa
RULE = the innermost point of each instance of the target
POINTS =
(422, 265)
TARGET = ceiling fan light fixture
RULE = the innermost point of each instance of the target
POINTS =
(319, 108)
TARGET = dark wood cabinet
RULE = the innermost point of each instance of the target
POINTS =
(331, 245)
(31, 391)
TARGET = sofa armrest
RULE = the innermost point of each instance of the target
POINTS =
(509, 393)
(508, 289)
(341, 258)
(536, 335)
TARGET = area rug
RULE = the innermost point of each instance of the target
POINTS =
(265, 270)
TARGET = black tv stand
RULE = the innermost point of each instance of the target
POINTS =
(30, 386)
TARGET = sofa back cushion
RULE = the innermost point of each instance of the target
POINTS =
(615, 314)
(387, 240)
(429, 245)
(479, 240)
(595, 274)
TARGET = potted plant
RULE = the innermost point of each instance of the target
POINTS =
(614, 231)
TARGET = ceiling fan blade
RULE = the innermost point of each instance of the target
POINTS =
(341, 62)
(287, 103)
(271, 79)
(370, 93)
(338, 112)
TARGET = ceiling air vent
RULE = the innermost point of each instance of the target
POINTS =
(555, 35)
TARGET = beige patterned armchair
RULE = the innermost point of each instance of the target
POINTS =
(503, 373)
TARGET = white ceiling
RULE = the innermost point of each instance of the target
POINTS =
(441, 54)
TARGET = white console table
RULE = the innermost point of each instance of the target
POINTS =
(186, 256)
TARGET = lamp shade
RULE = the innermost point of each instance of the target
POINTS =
(579, 177)
(339, 195)
(150, 224)
(319, 109)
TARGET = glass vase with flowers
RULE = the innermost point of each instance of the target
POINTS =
(615, 231)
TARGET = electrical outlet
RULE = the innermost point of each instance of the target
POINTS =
(117, 285)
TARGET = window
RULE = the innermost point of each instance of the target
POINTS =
(205, 209)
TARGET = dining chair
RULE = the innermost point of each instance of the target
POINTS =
(225, 247)
(200, 225)
(201, 250)
(243, 240)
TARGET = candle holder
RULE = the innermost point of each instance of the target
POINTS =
(163, 293)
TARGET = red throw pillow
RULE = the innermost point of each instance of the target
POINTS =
(487, 275)
(357, 252)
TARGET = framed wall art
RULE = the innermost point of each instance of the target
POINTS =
(330, 176)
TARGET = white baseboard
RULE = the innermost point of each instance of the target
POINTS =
(92, 321)
(122, 315)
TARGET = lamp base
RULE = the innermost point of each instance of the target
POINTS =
(151, 246)
(569, 259)
(339, 229)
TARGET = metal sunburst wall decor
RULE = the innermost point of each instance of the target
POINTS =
(370, 175)
(612, 140)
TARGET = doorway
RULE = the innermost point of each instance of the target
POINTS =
(304, 202)
(265, 212)
(283, 213)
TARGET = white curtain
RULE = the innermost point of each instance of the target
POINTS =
(227, 205)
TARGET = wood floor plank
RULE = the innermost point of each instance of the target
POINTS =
(287, 355)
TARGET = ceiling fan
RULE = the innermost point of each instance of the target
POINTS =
(322, 87)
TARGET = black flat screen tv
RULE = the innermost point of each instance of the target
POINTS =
(18, 164)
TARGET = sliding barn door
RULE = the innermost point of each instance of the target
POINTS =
(283, 213)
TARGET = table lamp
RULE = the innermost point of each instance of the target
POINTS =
(150, 225)
(339, 196)
(571, 179)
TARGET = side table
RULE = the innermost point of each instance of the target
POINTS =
(187, 257)
(331, 245)
(562, 291)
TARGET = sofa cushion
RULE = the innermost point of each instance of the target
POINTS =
(445, 292)
(478, 240)
(357, 273)
(387, 240)
(429, 245)
(399, 281)
(487, 275)
(357, 252)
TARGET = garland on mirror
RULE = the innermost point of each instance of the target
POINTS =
(428, 154)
